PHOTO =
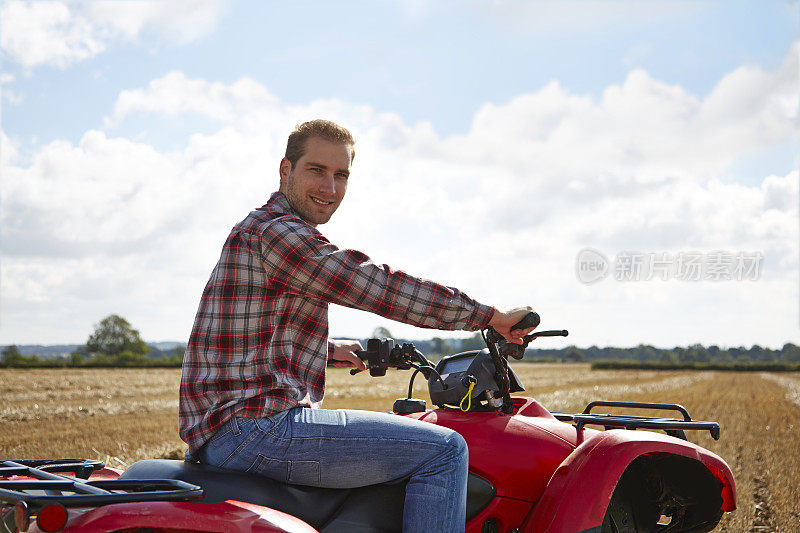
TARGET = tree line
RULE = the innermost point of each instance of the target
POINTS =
(115, 343)
(696, 354)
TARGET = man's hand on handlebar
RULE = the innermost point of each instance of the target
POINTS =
(502, 322)
(343, 354)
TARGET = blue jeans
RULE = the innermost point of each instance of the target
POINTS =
(347, 449)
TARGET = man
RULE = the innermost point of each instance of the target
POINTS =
(254, 369)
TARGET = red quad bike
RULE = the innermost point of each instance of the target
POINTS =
(530, 470)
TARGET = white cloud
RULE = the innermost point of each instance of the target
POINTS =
(35, 33)
(8, 150)
(178, 21)
(174, 94)
(641, 130)
(63, 33)
(108, 184)
(501, 211)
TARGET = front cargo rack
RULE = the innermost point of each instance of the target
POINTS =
(672, 426)
(41, 486)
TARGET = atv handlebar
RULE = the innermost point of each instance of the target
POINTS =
(506, 349)
(381, 354)
(531, 320)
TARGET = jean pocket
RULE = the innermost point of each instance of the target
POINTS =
(304, 473)
(272, 468)
(295, 472)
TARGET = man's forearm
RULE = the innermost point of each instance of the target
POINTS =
(305, 263)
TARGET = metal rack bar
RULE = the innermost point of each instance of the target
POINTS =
(49, 487)
(82, 468)
(672, 426)
(640, 405)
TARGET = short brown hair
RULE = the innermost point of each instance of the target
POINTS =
(325, 129)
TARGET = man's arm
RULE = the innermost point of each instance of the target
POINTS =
(301, 261)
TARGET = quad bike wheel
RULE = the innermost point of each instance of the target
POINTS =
(679, 488)
(630, 509)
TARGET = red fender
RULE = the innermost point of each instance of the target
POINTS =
(579, 491)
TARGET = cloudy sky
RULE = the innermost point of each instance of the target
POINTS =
(496, 141)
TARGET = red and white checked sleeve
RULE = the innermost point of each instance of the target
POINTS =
(303, 262)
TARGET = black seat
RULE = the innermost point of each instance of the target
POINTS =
(373, 509)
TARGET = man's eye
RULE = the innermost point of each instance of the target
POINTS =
(316, 169)
(341, 175)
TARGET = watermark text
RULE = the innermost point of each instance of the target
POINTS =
(593, 266)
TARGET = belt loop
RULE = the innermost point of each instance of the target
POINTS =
(235, 426)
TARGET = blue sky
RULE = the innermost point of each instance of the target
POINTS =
(426, 61)
(460, 76)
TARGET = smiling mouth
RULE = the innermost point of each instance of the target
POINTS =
(321, 202)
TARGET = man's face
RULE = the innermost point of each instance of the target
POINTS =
(316, 185)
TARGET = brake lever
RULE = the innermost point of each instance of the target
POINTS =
(549, 333)
(517, 351)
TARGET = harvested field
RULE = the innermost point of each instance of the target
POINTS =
(123, 415)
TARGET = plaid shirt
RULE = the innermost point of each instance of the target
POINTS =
(259, 344)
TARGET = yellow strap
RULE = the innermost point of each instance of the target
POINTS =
(468, 398)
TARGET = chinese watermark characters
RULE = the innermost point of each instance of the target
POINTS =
(592, 266)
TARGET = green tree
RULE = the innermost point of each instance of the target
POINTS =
(438, 346)
(790, 352)
(12, 358)
(177, 352)
(113, 336)
(757, 353)
(699, 353)
(574, 355)
(645, 352)
(668, 357)
(129, 358)
(685, 355)
(381, 332)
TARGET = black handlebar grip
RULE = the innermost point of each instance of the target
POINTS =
(552, 333)
(531, 320)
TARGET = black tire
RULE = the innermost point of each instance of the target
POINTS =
(630, 510)
(680, 487)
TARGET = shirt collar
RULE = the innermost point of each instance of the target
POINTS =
(279, 202)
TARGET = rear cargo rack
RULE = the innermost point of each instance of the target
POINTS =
(672, 426)
(44, 487)
(82, 468)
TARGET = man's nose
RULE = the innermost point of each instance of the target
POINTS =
(327, 184)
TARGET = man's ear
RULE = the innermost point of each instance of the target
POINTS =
(284, 170)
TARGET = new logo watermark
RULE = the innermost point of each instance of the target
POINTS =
(592, 266)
